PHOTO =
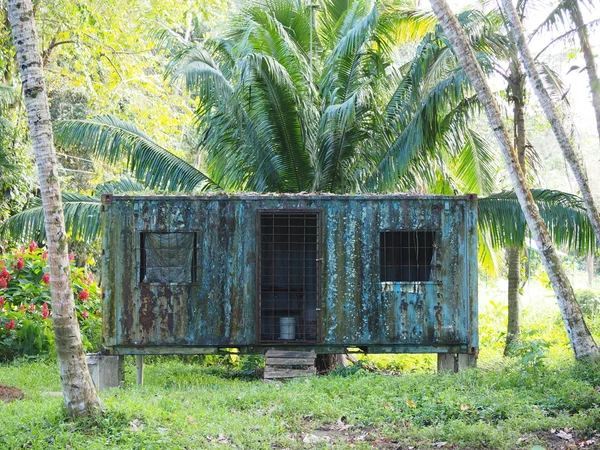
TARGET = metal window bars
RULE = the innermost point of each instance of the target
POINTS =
(287, 275)
(407, 256)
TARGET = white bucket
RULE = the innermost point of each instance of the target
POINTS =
(287, 328)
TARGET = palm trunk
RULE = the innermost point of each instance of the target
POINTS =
(513, 254)
(552, 114)
(588, 56)
(513, 329)
(79, 394)
(581, 340)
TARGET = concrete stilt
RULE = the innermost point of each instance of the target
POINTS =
(453, 362)
(107, 371)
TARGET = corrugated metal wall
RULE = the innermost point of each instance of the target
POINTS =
(356, 309)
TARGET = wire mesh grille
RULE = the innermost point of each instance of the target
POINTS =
(407, 255)
(288, 288)
(168, 258)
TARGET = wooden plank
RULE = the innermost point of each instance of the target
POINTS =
(288, 354)
(290, 361)
(288, 373)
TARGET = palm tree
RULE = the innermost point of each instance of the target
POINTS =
(79, 393)
(571, 9)
(570, 153)
(350, 120)
(581, 340)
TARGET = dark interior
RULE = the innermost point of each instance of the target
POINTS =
(406, 255)
(288, 289)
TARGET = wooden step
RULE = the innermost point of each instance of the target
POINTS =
(289, 364)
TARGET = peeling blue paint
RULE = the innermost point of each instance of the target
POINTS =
(356, 308)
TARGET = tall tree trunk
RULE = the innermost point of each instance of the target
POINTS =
(553, 116)
(516, 87)
(79, 393)
(581, 340)
(513, 329)
(589, 263)
(588, 56)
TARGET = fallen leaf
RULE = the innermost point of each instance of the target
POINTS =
(411, 403)
(464, 407)
(566, 436)
(439, 444)
(135, 425)
(190, 420)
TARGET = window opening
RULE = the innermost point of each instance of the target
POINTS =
(288, 289)
(407, 255)
(168, 258)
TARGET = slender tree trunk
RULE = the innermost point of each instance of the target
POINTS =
(79, 393)
(581, 340)
(589, 263)
(513, 330)
(588, 56)
(571, 155)
(513, 254)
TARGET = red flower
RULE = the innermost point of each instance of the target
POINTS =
(31, 307)
(46, 278)
(3, 283)
(10, 325)
(45, 255)
(20, 264)
(2, 302)
(71, 256)
(90, 278)
(5, 274)
(84, 315)
(22, 307)
(45, 312)
(84, 295)
(33, 247)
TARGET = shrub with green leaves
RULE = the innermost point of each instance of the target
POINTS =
(26, 304)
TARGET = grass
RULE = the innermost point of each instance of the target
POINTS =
(504, 404)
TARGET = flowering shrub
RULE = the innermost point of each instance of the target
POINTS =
(26, 305)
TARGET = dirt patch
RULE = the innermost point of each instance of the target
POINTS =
(10, 393)
(560, 440)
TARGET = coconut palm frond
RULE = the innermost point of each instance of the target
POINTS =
(115, 140)
(82, 219)
(476, 166)
(501, 218)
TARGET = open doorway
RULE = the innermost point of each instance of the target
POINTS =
(288, 280)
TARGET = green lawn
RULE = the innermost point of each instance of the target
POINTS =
(186, 406)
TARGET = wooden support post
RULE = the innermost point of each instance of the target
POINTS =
(139, 359)
(453, 362)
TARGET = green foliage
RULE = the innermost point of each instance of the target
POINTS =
(26, 304)
(182, 405)
(531, 350)
(351, 120)
(589, 301)
(501, 218)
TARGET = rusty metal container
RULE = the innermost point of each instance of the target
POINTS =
(375, 273)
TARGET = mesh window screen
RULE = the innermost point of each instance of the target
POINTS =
(167, 257)
(288, 288)
(406, 255)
